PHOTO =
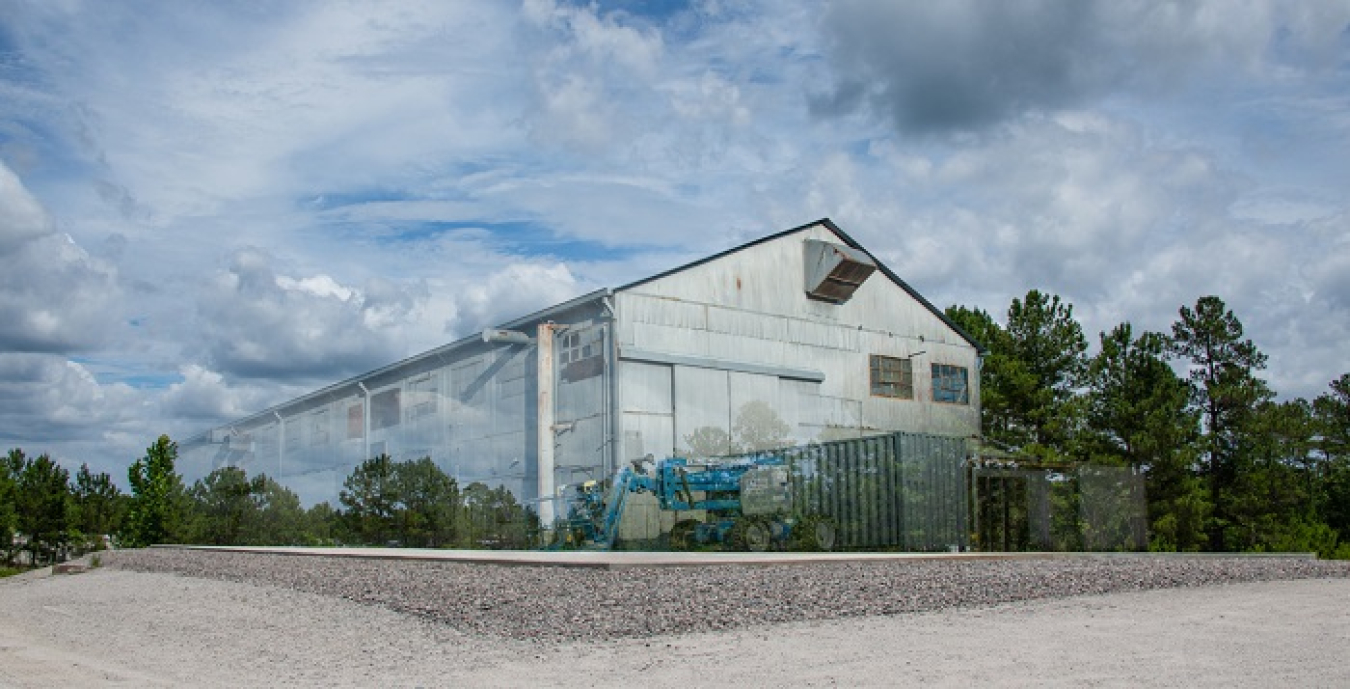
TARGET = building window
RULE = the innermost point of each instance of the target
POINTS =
(291, 433)
(318, 428)
(892, 377)
(422, 395)
(356, 421)
(384, 409)
(951, 384)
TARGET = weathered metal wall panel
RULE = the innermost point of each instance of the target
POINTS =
(750, 307)
(581, 413)
(648, 395)
(702, 412)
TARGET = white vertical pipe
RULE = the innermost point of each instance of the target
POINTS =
(281, 442)
(365, 422)
(546, 420)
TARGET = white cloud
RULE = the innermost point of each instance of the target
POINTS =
(49, 404)
(514, 291)
(255, 323)
(54, 297)
(280, 196)
(21, 216)
(206, 398)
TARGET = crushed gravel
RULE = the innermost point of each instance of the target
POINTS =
(553, 604)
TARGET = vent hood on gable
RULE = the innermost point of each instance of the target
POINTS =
(834, 271)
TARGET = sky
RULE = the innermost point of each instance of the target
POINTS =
(208, 208)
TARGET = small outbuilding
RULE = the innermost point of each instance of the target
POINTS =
(797, 337)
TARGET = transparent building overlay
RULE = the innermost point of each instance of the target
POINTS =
(1023, 506)
(470, 406)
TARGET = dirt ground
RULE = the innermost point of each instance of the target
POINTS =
(120, 628)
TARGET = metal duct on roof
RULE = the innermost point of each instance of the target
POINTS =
(834, 271)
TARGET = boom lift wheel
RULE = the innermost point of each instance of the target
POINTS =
(825, 535)
(682, 534)
(756, 537)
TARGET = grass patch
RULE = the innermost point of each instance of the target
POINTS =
(6, 571)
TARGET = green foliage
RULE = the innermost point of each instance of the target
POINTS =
(1029, 374)
(1224, 391)
(413, 503)
(371, 497)
(156, 511)
(1331, 447)
(1179, 512)
(321, 524)
(428, 516)
(41, 504)
(1226, 467)
(51, 513)
(1050, 346)
(495, 520)
(229, 508)
(9, 496)
(97, 505)
(1003, 377)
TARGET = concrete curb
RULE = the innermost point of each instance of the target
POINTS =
(628, 560)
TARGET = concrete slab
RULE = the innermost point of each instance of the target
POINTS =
(598, 559)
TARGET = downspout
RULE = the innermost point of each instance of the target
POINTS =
(613, 416)
(281, 441)
(545, 415)
(365, 422)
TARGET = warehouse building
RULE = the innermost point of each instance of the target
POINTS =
(797, 337)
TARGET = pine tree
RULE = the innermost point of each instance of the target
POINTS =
(1224, 390)
(155, 513)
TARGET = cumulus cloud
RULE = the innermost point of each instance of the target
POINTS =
(963, 65)
(22, 218)
(514, 291)
(42, 395)
(205, 397)
(54, 297)
(587, 61)
(258, 324)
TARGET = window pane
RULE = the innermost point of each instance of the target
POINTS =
(950, 384)
(892, 377)
(384, 409)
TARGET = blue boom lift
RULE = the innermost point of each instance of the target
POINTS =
(747, 505)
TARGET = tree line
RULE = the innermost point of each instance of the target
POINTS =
(48, 515)
(1227, 466)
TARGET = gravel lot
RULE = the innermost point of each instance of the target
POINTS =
(556, 604)
(242, 620)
